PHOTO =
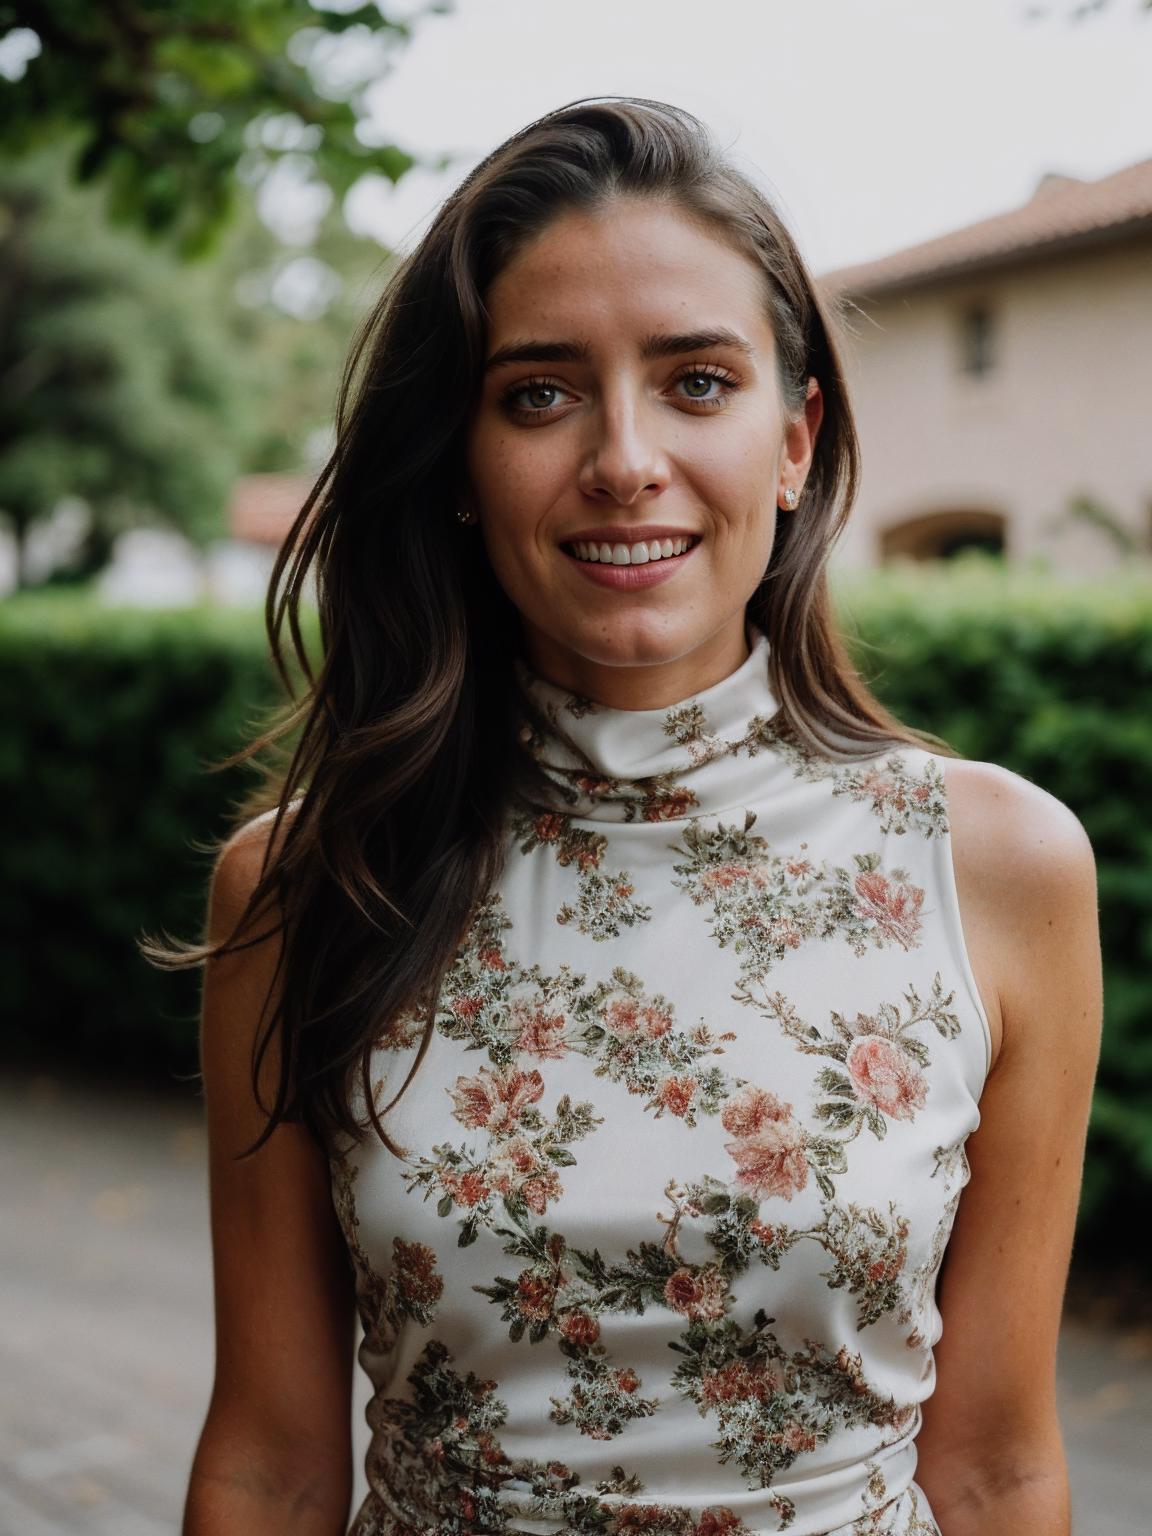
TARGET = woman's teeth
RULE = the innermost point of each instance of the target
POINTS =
(632, 554)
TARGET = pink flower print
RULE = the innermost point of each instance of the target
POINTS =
(466, 1189)
(656, 1021)
(495, 1099)
(534, 1296)
(737, 1382)
(415, 1268)
(697, 1294)
(622, 1017)
(549, 828)
(538, 1190)
(539, 1033)
(719, 1522)
(885, 1076)
(580, 1328)
(638, 1519)
(771, 1162)
(747, 1110)
(878, 783)
(723, 876)
(782, 930)
(595, 785)
(666, 807)
(888, 1269)
(794, 1437)
(511, 1164)
(515, 1168)
(677, 1093)
(893, 905)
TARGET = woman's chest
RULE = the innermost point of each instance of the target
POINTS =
(703, 1067)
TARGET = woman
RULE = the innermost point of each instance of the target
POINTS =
(620, 999)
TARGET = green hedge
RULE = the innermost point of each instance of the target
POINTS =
(112, 713)
(111, 716)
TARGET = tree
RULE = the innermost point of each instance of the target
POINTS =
(293, 311)
(120, 381)
(175, 104)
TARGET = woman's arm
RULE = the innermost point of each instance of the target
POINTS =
(275, 1452)
(991, 1453)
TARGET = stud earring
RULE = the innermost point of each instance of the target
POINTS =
(463, 515)
(790, 497)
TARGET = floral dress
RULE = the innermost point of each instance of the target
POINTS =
(682, 1157)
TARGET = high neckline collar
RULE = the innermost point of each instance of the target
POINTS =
(663, 764)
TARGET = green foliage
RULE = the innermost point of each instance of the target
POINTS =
(112, 715)
(123, 384)
(174, 101)
(144, 386)
(297, 354)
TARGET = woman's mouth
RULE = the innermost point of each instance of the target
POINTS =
(631, 554)
(627, 567)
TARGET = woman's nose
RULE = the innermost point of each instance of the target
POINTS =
(625, 458)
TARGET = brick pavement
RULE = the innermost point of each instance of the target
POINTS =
(106, 1344)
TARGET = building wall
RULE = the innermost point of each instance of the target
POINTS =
(1064, 411)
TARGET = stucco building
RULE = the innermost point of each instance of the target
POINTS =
(1002, 381)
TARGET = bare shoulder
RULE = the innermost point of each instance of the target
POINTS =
(242, 859)
(1026, 882)
(1003, 816)
(241, 984)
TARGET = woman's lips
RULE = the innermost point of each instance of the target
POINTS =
(631, 577)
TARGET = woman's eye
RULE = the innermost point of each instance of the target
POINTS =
(698, 384)
(538, 397)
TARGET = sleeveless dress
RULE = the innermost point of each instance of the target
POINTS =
(684, 1151)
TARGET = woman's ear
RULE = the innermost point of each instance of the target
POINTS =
(800, 435)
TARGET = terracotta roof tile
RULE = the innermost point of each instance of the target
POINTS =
(262, 508)
(1062, 211)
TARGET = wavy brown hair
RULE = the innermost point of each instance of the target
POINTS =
(387, 813)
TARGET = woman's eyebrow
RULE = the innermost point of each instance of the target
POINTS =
(658, 344)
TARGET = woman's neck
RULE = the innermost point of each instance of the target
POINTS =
(635, 682)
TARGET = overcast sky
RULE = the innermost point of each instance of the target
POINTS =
(874, 123)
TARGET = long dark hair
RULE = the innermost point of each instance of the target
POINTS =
(386, 821)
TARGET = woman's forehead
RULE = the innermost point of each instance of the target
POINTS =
(649, 269)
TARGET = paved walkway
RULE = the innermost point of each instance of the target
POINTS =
(106, 1346)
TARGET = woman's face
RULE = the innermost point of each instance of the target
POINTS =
(631, 399)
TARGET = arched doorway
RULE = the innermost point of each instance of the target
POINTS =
(943, 535)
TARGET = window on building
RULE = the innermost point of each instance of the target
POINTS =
(977, 340)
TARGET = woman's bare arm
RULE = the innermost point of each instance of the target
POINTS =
(991, 1453)
(275, 1451)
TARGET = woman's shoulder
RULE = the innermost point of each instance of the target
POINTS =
(1010, 825)
(1025, 878)
(242, 856)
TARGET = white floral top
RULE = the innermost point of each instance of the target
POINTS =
(685, 1149)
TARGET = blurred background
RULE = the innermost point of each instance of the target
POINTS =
(197, 203)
